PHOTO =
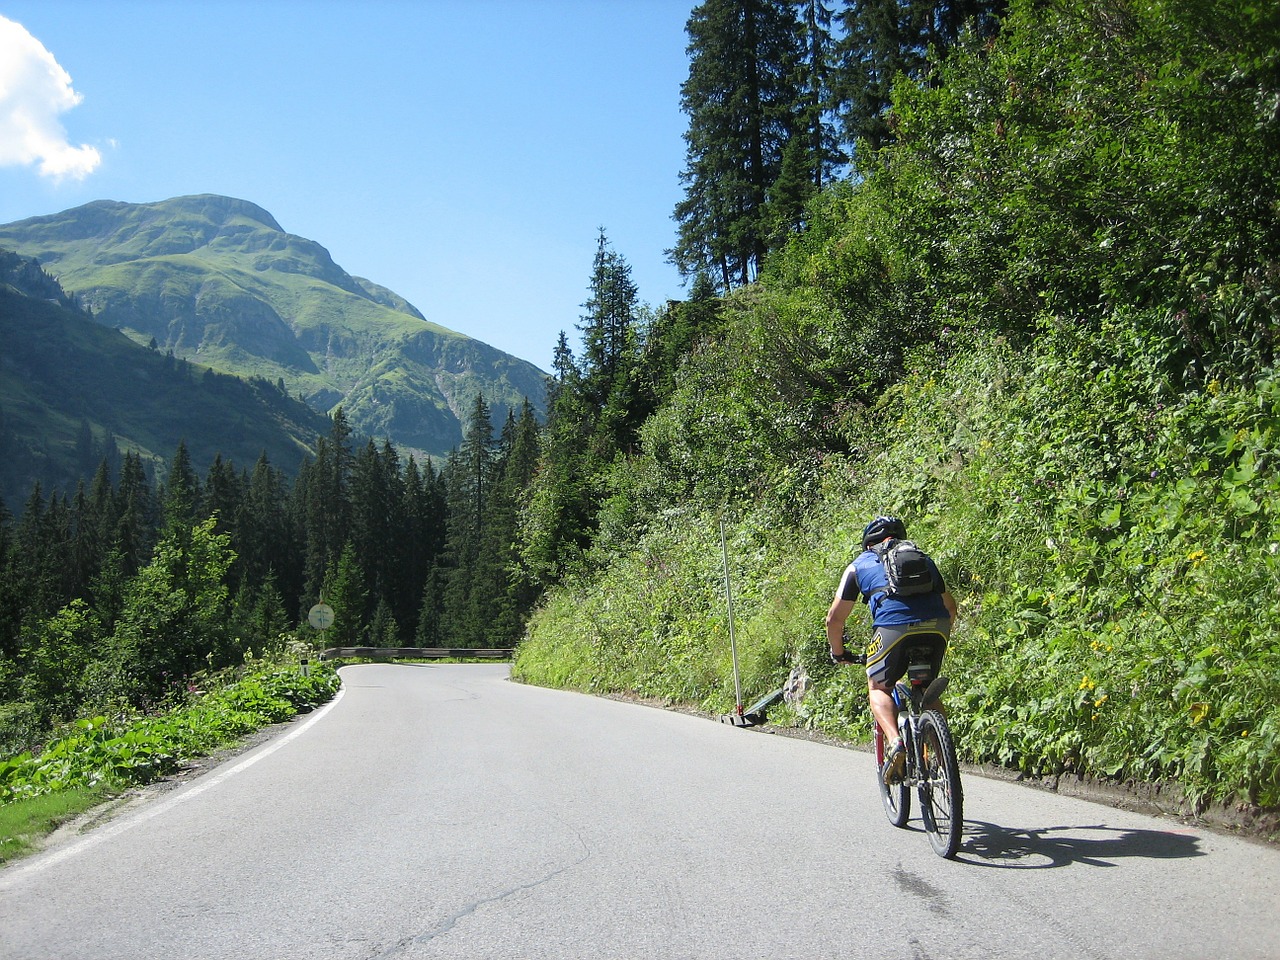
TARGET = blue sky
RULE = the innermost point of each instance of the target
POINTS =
(464, 153)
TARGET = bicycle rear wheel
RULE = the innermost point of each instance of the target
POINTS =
(941, 796)
(896, 798)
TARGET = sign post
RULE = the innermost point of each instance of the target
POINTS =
(321, 617)
(733, 640)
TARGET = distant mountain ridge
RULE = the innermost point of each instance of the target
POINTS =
(216, 280)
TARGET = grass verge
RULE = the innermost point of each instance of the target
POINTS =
(24, 824)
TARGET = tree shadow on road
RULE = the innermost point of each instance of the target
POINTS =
(1097, 845)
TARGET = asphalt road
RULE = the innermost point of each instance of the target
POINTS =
(443, 811)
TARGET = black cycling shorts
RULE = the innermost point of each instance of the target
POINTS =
(888, 654)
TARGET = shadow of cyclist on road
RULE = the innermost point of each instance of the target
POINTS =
(991, 845)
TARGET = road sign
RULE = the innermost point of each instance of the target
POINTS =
(321, 616)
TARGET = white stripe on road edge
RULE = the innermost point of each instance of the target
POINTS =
(37, 863)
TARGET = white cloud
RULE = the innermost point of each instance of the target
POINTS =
(34, 90)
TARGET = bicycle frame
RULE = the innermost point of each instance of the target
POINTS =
(932, 770)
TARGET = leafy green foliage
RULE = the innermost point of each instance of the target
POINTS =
(103, 752)
(1043, 331)
(1103, 154)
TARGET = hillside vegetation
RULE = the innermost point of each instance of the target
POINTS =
(217, 281)
(1040, 325)
(69, 392)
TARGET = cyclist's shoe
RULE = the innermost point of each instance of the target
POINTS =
(895, 763)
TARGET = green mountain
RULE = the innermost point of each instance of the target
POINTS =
(70, 393)
(217, 281)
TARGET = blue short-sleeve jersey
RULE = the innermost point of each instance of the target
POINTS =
(865, 576)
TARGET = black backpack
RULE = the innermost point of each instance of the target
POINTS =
(908, 570)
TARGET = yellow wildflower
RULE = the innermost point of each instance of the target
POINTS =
(1197, 557)
(1086, 683)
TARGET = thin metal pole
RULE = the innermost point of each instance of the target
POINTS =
(733, 640)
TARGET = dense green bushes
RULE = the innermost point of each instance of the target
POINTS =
(122, 751)
(1040, 327)
(1117, 563)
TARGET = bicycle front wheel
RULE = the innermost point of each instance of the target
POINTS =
(896, 797)
(941, 796)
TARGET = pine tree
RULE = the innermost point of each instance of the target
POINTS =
(609, 375)
(423, 537)
(223, 491)
(811, 152)
(383, 630)
(136, 515)
(518, 464)
(42, 564)
(885, 40)
(429, 631)
(594, 410)
(470, 475)
(741, 98)
(345, 592)
(607, 326)
(86, 549)
(382, 532)
(96, 527)
(10, 591)
(181, 494)
(266, 540)
(322, 508)
(817, 95)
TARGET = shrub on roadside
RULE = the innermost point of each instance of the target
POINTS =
(135, 750)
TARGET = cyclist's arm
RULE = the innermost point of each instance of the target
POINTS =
(949, 602)
(841, 607)
(837, 615)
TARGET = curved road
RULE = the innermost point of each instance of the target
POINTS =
(443, 811)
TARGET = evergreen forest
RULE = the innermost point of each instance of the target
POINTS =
(1006, 270)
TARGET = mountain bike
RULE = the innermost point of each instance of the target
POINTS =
(931, 767)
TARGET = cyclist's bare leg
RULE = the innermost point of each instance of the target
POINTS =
(883, 708)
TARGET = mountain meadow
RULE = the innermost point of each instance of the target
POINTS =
(1023, 295)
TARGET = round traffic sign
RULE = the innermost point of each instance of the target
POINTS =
(321, 616)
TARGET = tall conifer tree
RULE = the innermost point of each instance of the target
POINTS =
(741, 99)
(888, 39)
(469, 475)
(609, 349)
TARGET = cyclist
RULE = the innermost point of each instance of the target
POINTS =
(893, 619)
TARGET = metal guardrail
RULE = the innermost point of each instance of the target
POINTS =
(417, 653)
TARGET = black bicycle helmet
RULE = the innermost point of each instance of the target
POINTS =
(882, 527)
